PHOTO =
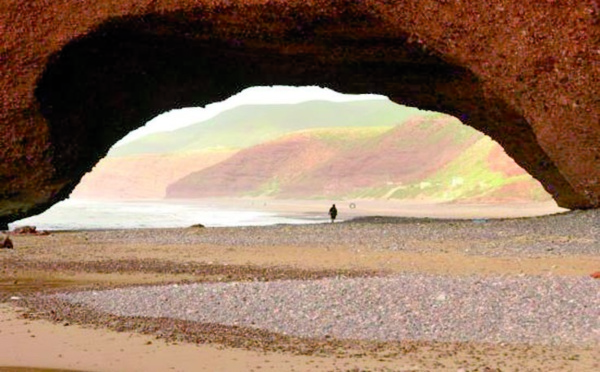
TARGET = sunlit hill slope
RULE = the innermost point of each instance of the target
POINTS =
(250, 125)
(367, 149)
(434, 158)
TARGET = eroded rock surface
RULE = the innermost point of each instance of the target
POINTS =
(76, 76)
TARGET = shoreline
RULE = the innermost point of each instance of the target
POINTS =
(352, 208)
(130, 214)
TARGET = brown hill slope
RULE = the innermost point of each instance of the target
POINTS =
(364, 163)
(407, 153)
(269, 168)
(423, 158)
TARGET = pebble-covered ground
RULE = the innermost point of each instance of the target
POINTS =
(334, 310)
(570, 233)
(408, 307)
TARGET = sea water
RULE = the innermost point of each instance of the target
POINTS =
(77, 214)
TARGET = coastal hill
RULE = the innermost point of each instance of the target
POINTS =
(371, 149)
(143, 168)
(434, 158)
(142, 176)
(249, 125)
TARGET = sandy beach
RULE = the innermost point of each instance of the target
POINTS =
(350, 208)
(535, 256)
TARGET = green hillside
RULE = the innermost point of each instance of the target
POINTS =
(248, 125)
(371, 149)
(468, 176)
(434, 157)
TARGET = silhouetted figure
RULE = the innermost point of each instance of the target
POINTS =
(333, 213)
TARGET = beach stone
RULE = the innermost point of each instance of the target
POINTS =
(76, 76)
(5, 242)
(29, 230)
(25, 230)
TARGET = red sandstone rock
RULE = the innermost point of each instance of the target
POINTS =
(25, 230)
(76, 76)
(28, 230)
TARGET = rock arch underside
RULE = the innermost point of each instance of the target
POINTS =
(76, 76)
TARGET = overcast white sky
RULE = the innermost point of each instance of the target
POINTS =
(257, 95)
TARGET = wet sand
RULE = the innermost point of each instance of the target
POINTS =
(349, 209)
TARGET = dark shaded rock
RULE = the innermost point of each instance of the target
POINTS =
(5, 242)
(77, 76)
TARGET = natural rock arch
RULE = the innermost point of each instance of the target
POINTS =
(72, 89)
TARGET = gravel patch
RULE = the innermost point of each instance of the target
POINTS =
(526, 309)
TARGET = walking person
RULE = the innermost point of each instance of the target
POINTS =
(333, 213)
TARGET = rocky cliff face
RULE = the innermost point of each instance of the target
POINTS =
(77, 76)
